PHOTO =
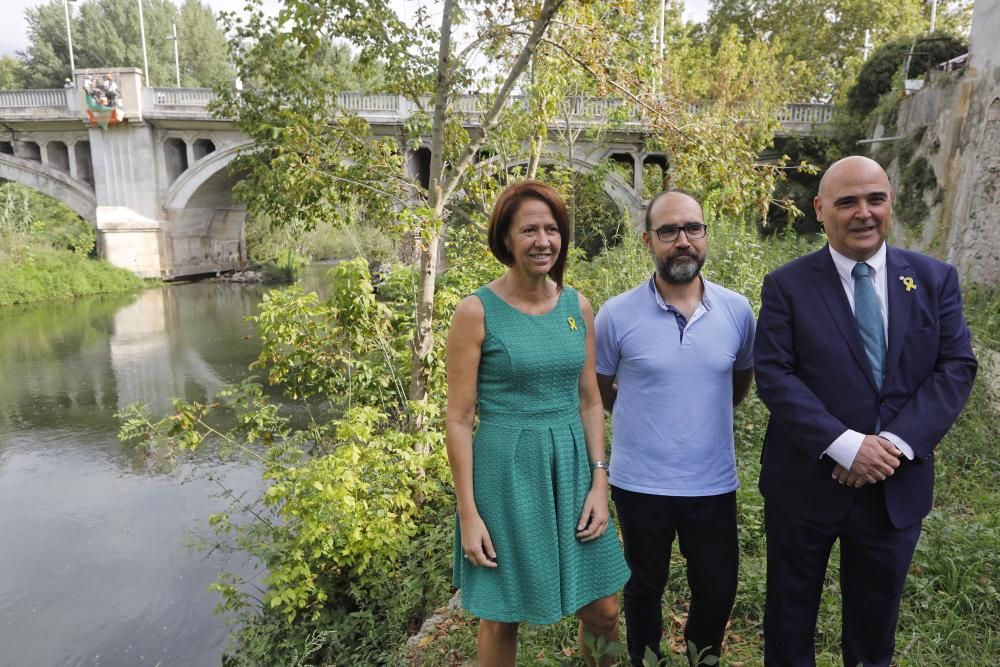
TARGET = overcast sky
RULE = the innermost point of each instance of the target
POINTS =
(13, 30)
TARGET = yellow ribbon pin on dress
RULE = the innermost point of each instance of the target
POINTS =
(572, 323)
(908, 283)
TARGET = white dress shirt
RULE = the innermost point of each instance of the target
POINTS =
(846, 446)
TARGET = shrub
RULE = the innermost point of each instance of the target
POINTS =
(876, 75)
(42, 273)
(353, 528)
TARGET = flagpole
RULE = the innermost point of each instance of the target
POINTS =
(177, 59)
(142, 34)
(69, 40)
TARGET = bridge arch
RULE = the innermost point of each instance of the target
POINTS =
(74, 194)
(187, 184)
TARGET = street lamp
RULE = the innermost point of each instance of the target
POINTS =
(177, 60)
(142, 34)
(69, 40)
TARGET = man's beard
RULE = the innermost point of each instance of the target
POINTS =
(680, 269)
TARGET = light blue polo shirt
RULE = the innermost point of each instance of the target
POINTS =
(672, 423)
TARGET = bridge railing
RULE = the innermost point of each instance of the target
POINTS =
(183, 97)
(360, 103)
(22, 99)
(396, 105)
(583, 110)
(806, 113)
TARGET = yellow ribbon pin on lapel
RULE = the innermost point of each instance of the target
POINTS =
(908, 283)
(572, 323)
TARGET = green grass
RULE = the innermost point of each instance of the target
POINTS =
(40, 274)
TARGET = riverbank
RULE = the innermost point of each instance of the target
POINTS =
(48, 273)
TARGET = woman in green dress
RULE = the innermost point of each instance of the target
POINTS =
(533, 540)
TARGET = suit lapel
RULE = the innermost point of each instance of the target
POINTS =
(899, 307)
(831, 292)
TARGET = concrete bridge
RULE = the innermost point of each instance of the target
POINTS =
(157, 189)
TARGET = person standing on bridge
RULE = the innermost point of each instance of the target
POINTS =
(534, 540)
(674, 356)
(110, 90)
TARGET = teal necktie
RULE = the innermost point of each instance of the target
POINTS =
(868, 313)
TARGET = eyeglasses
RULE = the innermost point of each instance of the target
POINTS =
(692, 230)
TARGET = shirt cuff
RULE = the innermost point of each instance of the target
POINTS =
(845, 448)
(900, 444)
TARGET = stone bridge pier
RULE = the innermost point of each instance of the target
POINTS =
(144, 223)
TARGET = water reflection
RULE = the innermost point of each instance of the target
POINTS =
(150, 364)
(94, 563)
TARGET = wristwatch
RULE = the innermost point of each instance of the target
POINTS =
(602, 465)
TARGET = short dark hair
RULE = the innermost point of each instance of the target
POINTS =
(667, 192)
(507, 206)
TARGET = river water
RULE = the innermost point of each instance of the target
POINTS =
(97, 563)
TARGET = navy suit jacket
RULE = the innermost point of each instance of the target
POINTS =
(814, 377)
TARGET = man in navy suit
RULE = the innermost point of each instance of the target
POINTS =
(864, 360)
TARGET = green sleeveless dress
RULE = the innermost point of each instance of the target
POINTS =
(531, 472)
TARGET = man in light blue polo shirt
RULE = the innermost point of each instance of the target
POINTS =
(674, 356)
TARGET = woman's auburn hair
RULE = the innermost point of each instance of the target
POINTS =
(507, 206)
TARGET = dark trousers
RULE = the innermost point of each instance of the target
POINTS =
(874, 559)
(706, 528)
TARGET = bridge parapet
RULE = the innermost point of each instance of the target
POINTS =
(380, 108)
(802, 118)
(384, 107)
(806, 113)
(45, 97)
(38, 104)
(181, 97)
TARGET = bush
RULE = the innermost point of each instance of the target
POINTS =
(357, 239)
(296, 245)
(876, 75)
(48, 222)
(354, 527)
(44, 248)
(42, 273)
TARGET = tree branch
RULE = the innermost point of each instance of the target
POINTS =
(541, 24)
(635, 99)
(489, 33)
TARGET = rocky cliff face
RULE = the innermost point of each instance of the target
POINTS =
(946, 168)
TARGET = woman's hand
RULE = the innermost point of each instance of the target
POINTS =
(594, 520)
(476, 542)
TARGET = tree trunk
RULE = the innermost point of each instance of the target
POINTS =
(535, 157)
(442, 187)
(570, 149)
(423, 333)
(571, 202)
